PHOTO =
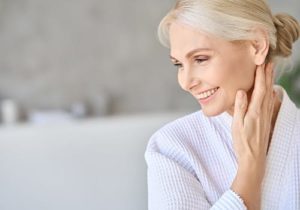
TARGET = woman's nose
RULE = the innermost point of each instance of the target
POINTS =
(188, 80)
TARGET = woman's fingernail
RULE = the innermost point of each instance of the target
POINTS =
(240, 94)
(241, 102)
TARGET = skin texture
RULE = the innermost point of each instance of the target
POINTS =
(222, 69)
(233, 67)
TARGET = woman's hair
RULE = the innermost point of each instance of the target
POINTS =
(235, 20)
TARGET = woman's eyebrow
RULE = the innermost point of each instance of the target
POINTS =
(173, 59)
(189, 54)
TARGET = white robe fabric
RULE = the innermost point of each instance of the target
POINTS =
(192, 164)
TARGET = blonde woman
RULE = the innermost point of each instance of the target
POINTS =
(242, 149)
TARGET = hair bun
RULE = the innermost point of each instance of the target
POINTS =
(288, 31)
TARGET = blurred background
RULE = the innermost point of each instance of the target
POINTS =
(90, 58)
(83, 85)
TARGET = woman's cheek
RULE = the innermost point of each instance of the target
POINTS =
(180, 80)
(218, 78)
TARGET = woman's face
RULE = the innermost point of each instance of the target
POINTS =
(210, 68)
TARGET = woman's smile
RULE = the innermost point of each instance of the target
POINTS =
(207, 96)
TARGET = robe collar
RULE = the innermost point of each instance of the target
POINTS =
(282, 141)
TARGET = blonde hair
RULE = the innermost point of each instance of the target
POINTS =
(234, 20)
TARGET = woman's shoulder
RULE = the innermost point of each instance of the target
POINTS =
(184, 132)
(181, 125)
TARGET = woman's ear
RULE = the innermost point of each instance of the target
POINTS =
(260, 47)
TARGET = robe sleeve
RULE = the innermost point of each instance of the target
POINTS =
(171, 186)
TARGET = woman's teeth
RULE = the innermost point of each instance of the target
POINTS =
(206, 94)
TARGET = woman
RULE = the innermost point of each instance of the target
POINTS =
(242, 150)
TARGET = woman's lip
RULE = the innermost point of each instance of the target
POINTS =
(207, 90)
(206, 100)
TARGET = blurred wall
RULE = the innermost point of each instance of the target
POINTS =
(104, 53)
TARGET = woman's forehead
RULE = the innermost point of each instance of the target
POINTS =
(186, 39)
(188, 33)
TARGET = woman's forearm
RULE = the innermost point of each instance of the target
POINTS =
(247, 184)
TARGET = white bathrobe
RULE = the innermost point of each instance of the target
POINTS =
(192, 164)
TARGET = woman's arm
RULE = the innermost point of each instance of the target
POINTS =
(251, 129)
(172, 187)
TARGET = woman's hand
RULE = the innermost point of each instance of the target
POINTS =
(251, 130)
(252, 121)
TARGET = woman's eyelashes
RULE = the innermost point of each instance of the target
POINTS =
(197, 60)
(178, 65)
(201, 59)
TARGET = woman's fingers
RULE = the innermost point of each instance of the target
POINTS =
(267, 109)
(271, 109)
(273, 93)
(259, 92)
(240, 108)
(269, 90)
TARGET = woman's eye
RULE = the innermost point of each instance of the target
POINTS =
(178, 65)
(200, 60)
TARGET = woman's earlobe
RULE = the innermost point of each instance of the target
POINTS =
(260, 60)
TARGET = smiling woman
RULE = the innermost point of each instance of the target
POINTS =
(242, 150)
(203, 57)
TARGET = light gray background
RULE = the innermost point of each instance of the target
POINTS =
(55, 52)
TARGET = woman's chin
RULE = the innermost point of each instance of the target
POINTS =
(212, 112)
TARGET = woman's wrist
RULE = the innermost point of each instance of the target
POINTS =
(252, 170)
(248, 187)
